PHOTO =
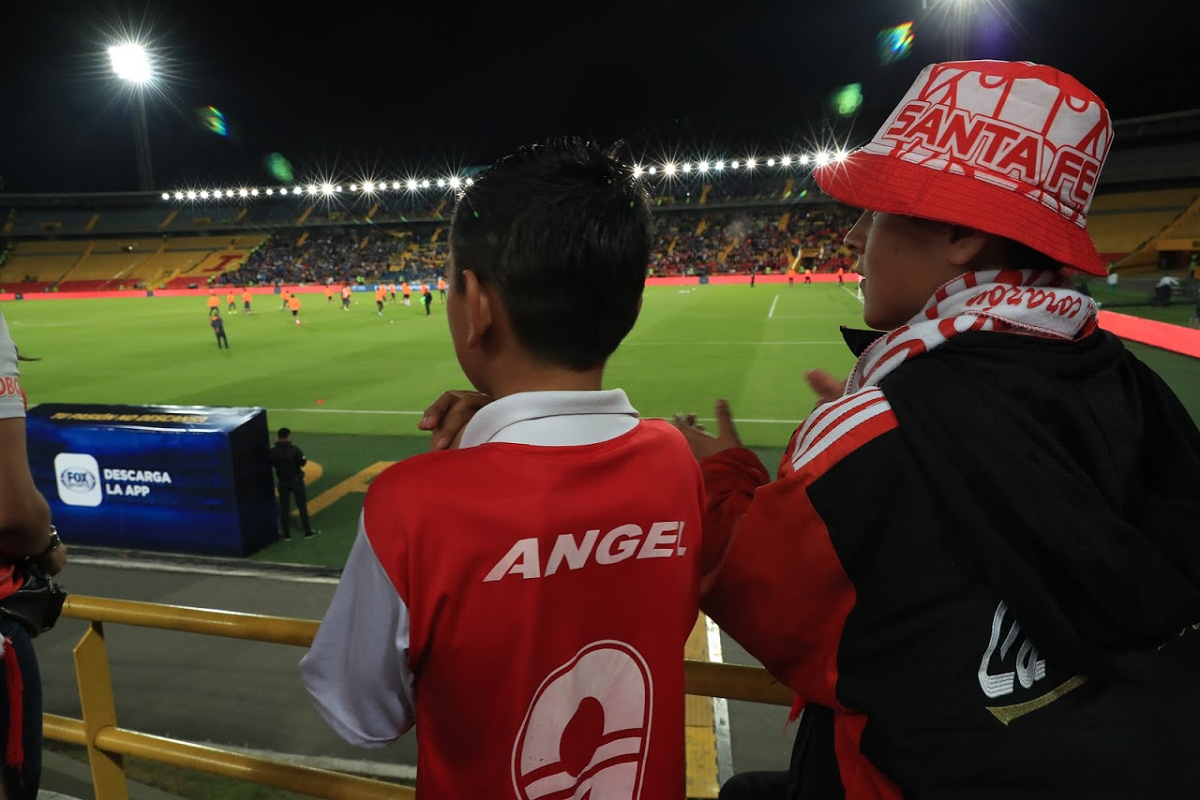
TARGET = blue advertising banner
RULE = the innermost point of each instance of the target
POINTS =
(186, 479)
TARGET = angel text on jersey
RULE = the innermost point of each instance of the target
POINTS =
(663, 540)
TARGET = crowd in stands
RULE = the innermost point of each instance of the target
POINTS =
(686, 243)
(732, 242)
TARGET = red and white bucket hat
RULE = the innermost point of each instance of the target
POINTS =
(1010, 148)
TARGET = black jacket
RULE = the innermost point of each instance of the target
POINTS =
(988, 590)
(288, 462)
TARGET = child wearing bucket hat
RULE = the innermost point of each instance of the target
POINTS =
(979, 567)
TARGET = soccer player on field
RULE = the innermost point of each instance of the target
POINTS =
(406, 291)
(345, 297)
(441, 284)
(392, 291)
(571, 567)
(246, 298)
(214, 304)
(231, 302)
(294, 305)
(380, 296)
(286, 295)
(328, 294)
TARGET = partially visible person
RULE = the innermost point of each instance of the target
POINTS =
(536, 550)
(288, 462)
(218, 326)
(345, 297)
(392, 292)
(978, 566)
(329, 294)
(286, 296)
(25, 534)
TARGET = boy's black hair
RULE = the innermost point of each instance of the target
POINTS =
(562, 230)
(284, 433)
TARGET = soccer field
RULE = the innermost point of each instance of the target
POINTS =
(353, 384)
(356, 372)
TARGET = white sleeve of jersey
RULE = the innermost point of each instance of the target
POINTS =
(357, 670)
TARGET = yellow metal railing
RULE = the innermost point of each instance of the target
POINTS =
(107, 743)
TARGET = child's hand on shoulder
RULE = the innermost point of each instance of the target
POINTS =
(448, 417)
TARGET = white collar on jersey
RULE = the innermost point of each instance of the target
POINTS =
(552, 419)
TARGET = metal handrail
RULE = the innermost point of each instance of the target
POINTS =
(106, 742)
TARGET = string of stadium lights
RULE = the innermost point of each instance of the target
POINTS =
(667, 169)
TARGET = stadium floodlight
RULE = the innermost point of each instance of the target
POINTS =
(254, 192)
(243, 192)
(720, 165)
(192, 194)
(734, 164)
(327, 188)
(312, 188)
(804, 160)
(425, 183)
(841, 156)
(669, 169)
(204, 194)
(354, 187)
(653, 170)
(770, 162)
(637, 170)
(786, 161)
(455, 182)
(229, 192)
(470, 182)
(369, 187)
(411, 185)
(131, 62)
(179, 195)
(270, 192)
(441, 183)
(821, 158)
(166, 196)
(337, 188)
(687, 167)
(704, 166)
(396, 184)
(750, 163)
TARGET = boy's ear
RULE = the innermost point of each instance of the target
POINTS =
(965, 244)
(479, 317)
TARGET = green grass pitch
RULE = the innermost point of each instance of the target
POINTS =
(352, 385)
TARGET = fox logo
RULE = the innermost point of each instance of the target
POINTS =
(587, 730)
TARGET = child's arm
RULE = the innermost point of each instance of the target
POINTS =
(357, 671)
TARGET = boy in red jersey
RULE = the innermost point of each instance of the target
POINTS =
(533, 625)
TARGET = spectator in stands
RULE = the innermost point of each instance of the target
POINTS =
(548, 277)
(979, 564)
(25, 534)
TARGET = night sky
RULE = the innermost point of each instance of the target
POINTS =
(398, 88)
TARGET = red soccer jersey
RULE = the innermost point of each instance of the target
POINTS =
(549, 605)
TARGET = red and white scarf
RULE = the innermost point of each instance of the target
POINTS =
(1033, 302)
